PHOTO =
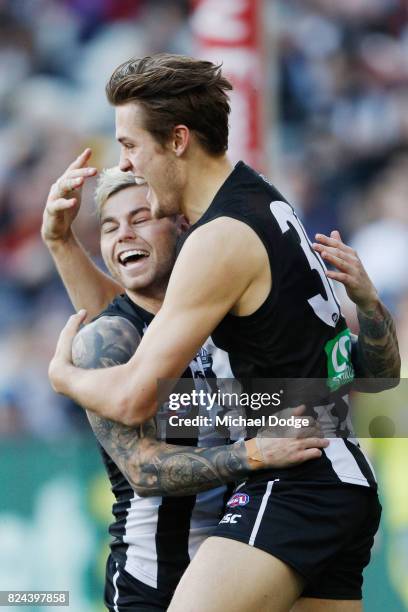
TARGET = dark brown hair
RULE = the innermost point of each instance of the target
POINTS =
(174, 89)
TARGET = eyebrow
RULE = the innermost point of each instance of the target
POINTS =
(131, 214)
(123, 139)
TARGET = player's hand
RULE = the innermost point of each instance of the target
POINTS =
(349, 270)
(61, 364)
(296, 425)
(286, 446)
(64, 199)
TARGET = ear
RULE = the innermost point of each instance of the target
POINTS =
(182, 224)
(181, 138)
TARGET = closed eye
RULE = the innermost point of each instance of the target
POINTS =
(107, 228)
(140, 220)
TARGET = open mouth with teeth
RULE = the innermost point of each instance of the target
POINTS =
(132, 256)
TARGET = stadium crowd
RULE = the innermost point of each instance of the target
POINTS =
(342, 138)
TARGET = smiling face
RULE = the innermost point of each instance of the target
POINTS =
(139, 251)
(153, 163)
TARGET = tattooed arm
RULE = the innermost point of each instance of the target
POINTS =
(375, 352)
(153, 467)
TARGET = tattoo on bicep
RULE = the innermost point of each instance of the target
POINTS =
(377, 344)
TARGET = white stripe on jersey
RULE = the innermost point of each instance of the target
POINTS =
(261, 512)
(116, 596)
(344, 463)
(140, 535)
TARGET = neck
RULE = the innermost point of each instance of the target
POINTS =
(206, 174)
(151, 299)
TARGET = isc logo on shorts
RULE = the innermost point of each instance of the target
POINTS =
(230, 518)
(239, 499)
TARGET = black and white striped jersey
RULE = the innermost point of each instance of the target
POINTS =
(299, 331)
(154, 538)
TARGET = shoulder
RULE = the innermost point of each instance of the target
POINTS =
(229, 242)
(112, 339)
(224, 232)
(217, 265)
(122, 306)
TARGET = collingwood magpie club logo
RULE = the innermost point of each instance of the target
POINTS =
(206, 358)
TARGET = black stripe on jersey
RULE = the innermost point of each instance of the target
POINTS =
(361, 462)
(172, 536)
(123, 494)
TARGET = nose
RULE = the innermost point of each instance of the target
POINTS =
(126, 232)
(124, 163)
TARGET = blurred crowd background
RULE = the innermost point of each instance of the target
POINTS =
(336, 146)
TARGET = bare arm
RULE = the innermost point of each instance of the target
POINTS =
(87, 286)
(153, 467)
(375, 351)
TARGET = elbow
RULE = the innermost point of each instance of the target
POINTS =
(132, 414)
(385, 384)
(141, 488)
(379, 384)
(395, 379)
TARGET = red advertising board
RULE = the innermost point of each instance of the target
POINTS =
(229, 31)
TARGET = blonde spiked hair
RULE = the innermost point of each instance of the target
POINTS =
(110, 181)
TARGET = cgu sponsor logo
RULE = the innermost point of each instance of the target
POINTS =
(339, 365)
(239, 499)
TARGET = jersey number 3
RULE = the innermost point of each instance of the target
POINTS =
(328, 310)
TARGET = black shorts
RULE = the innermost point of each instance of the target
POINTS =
(324, 531)
(124, 593)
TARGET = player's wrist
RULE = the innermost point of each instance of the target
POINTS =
(254, 455)
(370, 306)
(59, 374)
(56, 243)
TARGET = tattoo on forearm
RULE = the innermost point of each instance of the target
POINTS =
(152, 467)
(377, 347)
(165, 469)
